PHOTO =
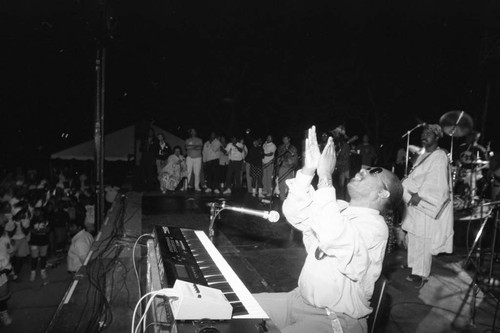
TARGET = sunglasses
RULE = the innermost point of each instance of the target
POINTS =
(377, 171)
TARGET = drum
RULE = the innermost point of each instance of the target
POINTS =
(459, 202)
(471, 177)
(480, 211)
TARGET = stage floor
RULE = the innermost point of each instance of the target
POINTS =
(267, 257)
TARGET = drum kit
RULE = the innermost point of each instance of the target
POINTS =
(469, 169)
(470, 179)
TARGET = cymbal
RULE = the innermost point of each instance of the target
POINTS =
(480, 162)
(456, 123)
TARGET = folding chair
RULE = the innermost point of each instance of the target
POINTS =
(376, 303)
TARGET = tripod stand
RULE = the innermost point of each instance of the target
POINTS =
(474, 286)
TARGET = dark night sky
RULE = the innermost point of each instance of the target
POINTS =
(272, 66)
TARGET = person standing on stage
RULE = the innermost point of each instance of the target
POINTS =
(286, 161)
(162, 151)
(268, 165)
(429, 216)
(194, 146)
(236, 151)
(211, 153)
(345, 244)
(254, 158)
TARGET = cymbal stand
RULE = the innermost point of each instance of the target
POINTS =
(491, 281)
(474, 286)
(452, 134)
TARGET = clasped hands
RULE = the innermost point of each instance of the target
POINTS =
(323, 163)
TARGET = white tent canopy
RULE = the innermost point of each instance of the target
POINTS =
(118, 146)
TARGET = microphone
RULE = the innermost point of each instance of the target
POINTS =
(420, 124)
(271, 216)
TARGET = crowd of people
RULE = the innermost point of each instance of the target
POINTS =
(40, 220)
(259, 164)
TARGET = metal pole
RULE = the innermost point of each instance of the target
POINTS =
(407, 157)
(99, 137)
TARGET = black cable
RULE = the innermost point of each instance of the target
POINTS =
(96, 273)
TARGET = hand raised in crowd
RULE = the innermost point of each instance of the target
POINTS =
(312, 154)
(328, 160)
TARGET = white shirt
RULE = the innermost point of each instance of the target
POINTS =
(211, 150)
(429, 179)
(269, 147)
(78, 250)
(234, 154)
(354, 241)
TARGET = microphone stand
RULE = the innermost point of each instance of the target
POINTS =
(215, 209)
(407, 157)
(452, 134)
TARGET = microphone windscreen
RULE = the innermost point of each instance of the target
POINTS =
(274, 216)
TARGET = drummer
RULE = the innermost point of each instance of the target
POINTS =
(471, 151)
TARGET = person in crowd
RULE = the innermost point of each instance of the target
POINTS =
(5, 212)
(39, 243)
(194, 146)
(286, 162)
(268, 165)
(367, 152)
(343, 151)
(58, 220)
(84, 183)
(400, 163)
(211, 153)
(162, 151)
(236, 151)
(81, 242)
(223, 163)
(323, 141)
(345, 244)
(245, 171)
(89, 221)
(6, 249)
(173, 175)
(18, 231)
(429, 217)
(254, 157)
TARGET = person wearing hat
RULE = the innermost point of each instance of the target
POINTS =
(345, 244)
(194, 148)
(429, 216)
